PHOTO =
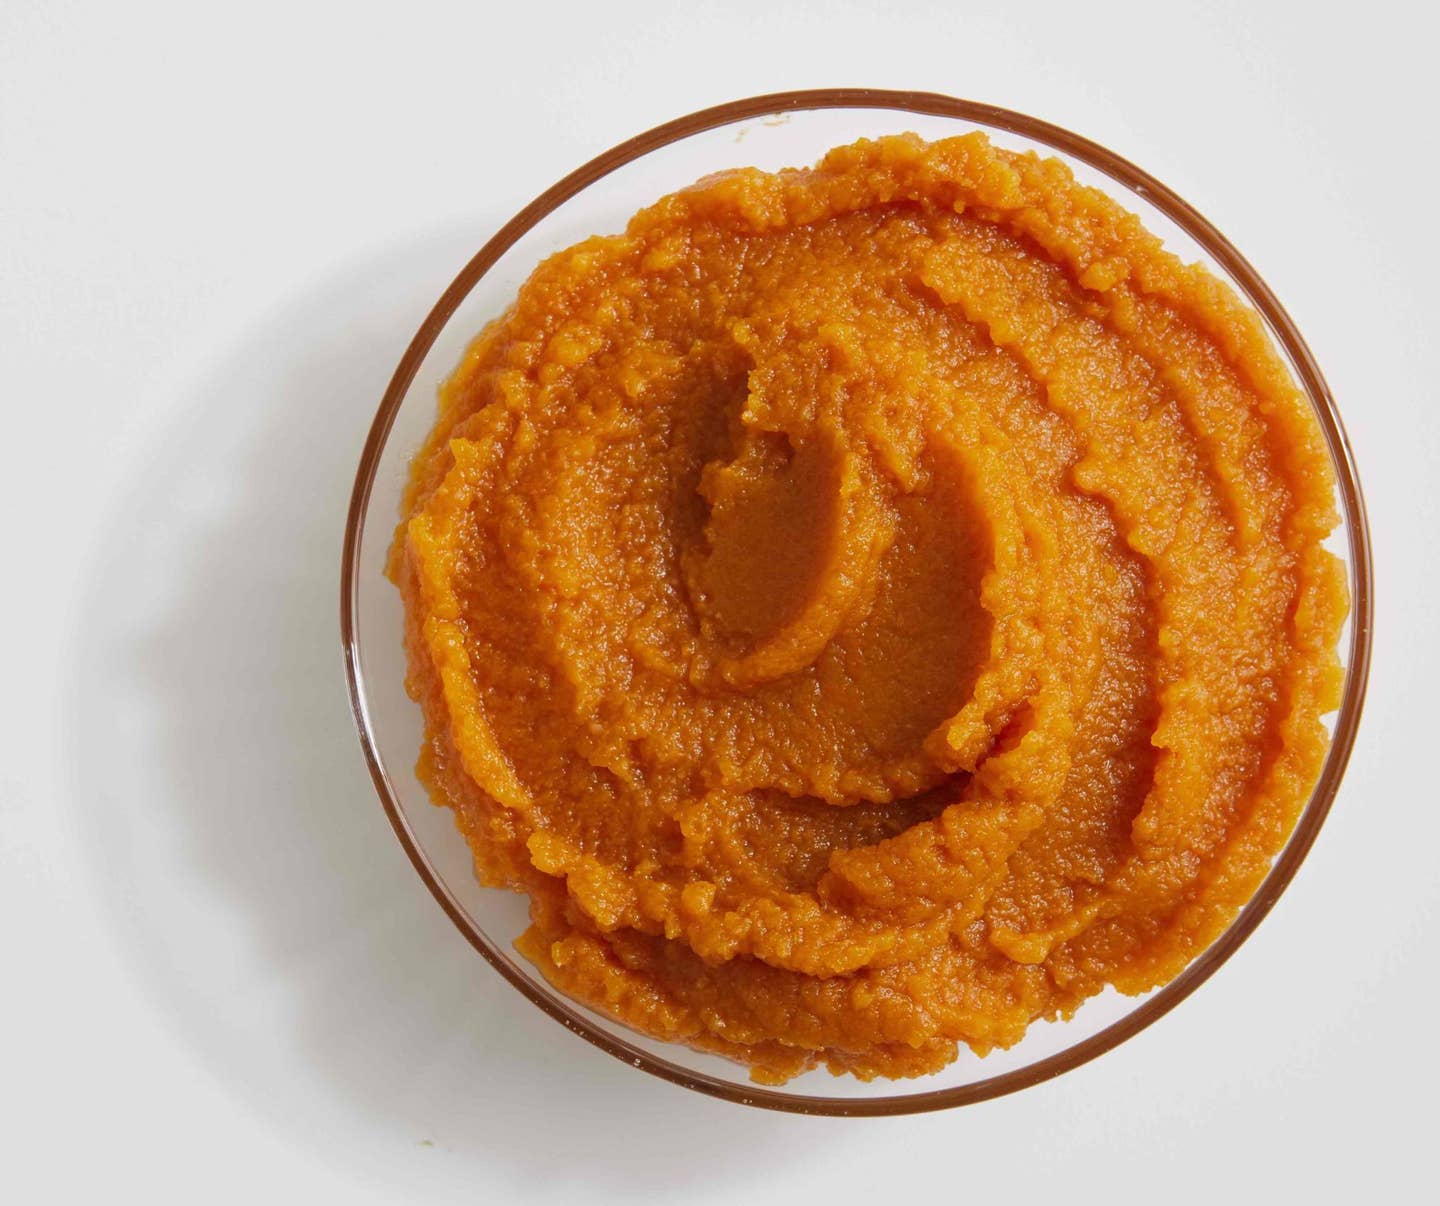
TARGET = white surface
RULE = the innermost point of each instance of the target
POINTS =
(222, 981)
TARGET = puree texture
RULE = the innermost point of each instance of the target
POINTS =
(871, 608)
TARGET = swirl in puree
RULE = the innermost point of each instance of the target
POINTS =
(870, 608)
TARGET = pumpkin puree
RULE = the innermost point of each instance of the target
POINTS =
(871, 608)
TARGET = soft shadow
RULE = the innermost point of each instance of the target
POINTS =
(235, 837)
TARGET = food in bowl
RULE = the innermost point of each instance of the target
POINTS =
(872, 608)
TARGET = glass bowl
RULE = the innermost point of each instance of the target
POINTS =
(780, 130)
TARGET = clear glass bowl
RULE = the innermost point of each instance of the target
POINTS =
(786, 129)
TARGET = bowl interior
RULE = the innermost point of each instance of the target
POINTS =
(780, 134)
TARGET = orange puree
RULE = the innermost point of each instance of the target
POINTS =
(871, 608)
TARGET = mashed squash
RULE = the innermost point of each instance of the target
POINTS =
(871, 608)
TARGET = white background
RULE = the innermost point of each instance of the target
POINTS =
(220, 980)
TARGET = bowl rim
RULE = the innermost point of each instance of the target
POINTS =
(1283, 328)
